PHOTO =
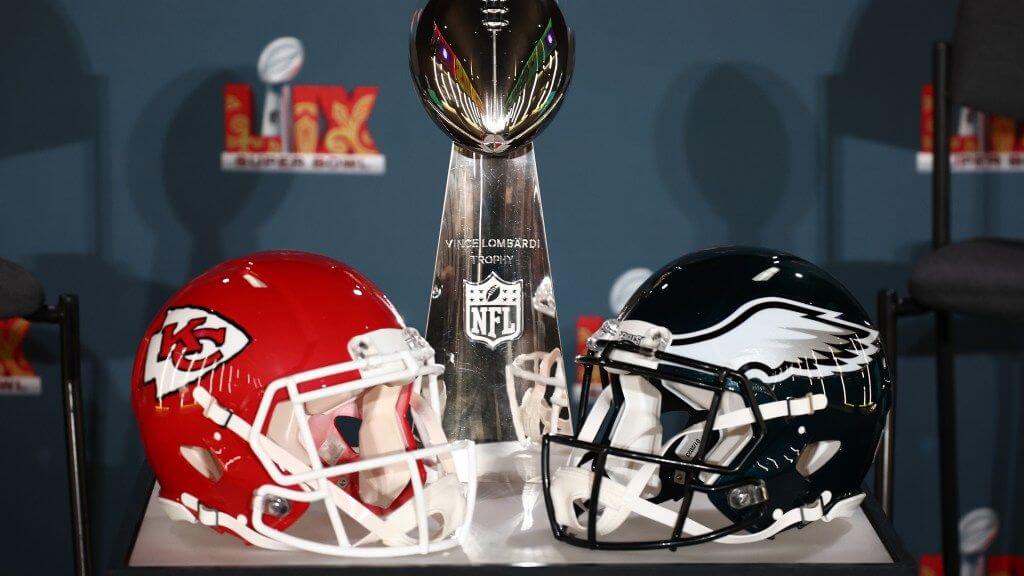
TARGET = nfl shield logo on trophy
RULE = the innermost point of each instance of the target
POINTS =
(494, 310)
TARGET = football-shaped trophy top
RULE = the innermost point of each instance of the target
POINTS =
(491, 73)
(281, 61)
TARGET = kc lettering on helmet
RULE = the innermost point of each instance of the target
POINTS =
(191, 343)
(494, 310)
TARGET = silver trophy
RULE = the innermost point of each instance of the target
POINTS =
(978, 531)
(279, 63)
(491, 74)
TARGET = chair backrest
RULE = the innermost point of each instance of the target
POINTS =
(988, 56)
(20, 293)
(986, 74)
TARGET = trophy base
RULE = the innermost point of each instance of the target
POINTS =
(509, 462)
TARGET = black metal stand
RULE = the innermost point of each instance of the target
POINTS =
(943, 324)
(65, 315)
(948, 484)
(885, 465)
(891, 307)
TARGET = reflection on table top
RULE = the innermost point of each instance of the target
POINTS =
(511, 528)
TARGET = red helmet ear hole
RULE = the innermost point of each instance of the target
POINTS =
(203, 461)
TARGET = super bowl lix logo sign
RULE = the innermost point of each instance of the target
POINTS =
(305, 128)
(494, 310)
(17, 378)
(190, 344)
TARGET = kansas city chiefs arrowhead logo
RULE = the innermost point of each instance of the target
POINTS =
(190, 344)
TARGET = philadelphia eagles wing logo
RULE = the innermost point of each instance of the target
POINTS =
(772, 339)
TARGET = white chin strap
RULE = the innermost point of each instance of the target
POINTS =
(194, 512)
(629, 482)
(617, 502)
(444, 503)
(404, 531)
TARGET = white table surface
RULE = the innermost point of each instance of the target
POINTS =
(511, 527)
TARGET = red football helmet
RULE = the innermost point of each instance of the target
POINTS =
(285, 379)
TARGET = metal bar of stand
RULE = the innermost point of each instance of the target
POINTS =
(940, 171)
(948, 485)
(71, 386)
(948, 477)
(888, 303)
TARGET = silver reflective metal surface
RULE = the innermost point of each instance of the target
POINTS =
(491, 73)
(492, 298)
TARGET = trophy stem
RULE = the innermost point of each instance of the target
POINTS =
(492, 306)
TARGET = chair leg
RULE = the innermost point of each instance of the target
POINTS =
(888, 302)
(947, 444)
(71, 385)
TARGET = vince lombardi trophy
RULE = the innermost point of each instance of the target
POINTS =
(279, 63)
(492, 74)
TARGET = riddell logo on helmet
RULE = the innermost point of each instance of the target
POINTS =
(191, 344)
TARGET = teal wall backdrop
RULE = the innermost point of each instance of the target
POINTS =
(789, 123)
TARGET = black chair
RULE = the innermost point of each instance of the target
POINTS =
(984, 70)
(21, 295)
